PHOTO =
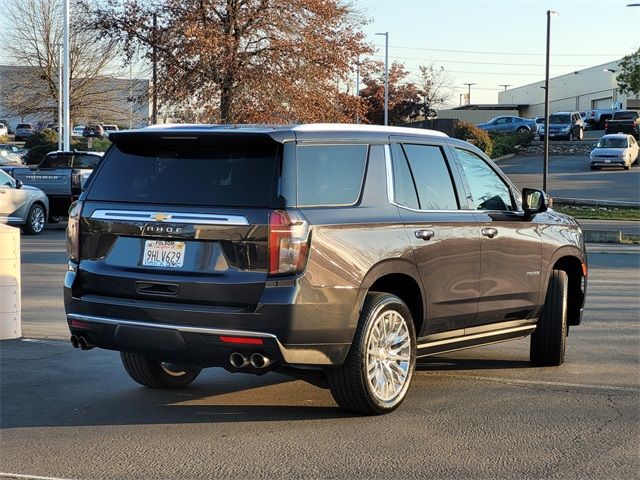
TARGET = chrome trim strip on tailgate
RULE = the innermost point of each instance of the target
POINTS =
(297, 355)
(170, 217)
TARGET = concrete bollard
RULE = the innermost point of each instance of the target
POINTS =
(10, 304)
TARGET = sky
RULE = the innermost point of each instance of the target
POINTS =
(496, 42)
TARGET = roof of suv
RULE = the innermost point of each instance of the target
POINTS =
(277, 132)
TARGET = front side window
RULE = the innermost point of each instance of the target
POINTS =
(5, 180)
(488, 190)
(431, 177)
(330, 175)
(85, 161)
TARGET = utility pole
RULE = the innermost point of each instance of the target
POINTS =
(154, 59)
(504, 85)
(358, 85)
(469, 94)
(66, 120)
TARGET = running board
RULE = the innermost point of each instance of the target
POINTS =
(432, 346)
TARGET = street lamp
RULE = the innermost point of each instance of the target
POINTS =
(545, 169)
(67, 75)
(386, 76)
(469, 94)
(60, 74)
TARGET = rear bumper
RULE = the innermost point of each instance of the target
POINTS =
(291, 333)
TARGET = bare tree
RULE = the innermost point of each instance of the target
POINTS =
(30, 86)
(435, 87)
(245, 60)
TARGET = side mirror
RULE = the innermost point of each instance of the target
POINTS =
(534, 201)
(19, 183)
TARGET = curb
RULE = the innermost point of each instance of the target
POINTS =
(593, 203)
(504, 157)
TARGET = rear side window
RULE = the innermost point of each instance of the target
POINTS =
(330, 175)
(189, 173)
(404, 188)
(431, 177)
(625, 115)
(85, 161)
(55, 161)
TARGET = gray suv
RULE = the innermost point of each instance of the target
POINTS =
(338, 254)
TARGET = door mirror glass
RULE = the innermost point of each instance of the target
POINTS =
(19, 183)
(534, 201)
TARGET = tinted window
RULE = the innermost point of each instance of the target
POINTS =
(225, 174)
(488, 190)
(85, 161)
(432, 177)
(5, 180)
(625, 115)
(330, 174)
(612, 142)
(55, 161)
(24, 125)
(404, 188)
(559, 119)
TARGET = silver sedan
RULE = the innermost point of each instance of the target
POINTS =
(22, 205)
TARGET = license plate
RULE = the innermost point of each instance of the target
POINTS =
(162, 253)
(607, 161)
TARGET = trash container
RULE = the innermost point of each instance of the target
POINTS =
(10, 306)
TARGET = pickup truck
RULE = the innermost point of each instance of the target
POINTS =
(596, 118)
(624, 121)
(61, 175)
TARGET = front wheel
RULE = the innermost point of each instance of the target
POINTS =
(377, 372)
(549, 339)
(156, 374)
(35, 221)
(522, 130)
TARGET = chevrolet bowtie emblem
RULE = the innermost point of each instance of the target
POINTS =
(160, 217)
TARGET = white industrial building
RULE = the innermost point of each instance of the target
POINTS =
(594, 87)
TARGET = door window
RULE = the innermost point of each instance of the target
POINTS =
(488, 190)
(5, 180)
(55, 161)
(404, 187)
(431, 177)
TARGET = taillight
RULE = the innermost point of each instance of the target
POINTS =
(288, 242)
(73, 232)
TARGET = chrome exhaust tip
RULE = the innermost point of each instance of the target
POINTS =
(74, 341)
(84, 344)
(238, 360)
(260, 361)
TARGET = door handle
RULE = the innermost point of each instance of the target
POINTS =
(489, 232)
(425, 234)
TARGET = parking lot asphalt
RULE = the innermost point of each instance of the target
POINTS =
(482, 413)
(570, 177)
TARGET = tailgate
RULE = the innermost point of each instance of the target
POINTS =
(53, 182)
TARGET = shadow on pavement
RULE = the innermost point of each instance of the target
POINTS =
(51, 384)
(435, 364)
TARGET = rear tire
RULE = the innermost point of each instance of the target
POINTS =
(154, 374)
(34, 224)
(549, 339)
(370, 382)
(522, 130)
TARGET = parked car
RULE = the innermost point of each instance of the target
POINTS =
(77, 131)
(6, 123)
(338, 254)
(4, 130)
(624, 121)
(565, 125)
(509, 124)
(22, 205)
(597, 117)
(52, 126)
(23, 131)
(8, 158)
(614, 150)
(93, 131)
(61, 175)
(13, 149)
(108, 129)
(540, 123)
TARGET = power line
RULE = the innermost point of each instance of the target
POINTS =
(484, 63)
(509, 53)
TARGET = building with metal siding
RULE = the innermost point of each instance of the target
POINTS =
(591, 88)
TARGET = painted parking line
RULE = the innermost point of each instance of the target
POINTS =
(30, 477)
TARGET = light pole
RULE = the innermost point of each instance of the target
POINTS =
(60, 74)
(386, 76)
(358, 85)
(504, 85)
(469, 94)
(545, 168)
(67, 75)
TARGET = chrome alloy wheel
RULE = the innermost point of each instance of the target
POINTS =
(388, 355)
(37, 219)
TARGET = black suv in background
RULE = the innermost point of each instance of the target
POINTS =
(338, 254)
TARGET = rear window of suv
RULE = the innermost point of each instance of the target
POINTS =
(330, 175)
(180, 173)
